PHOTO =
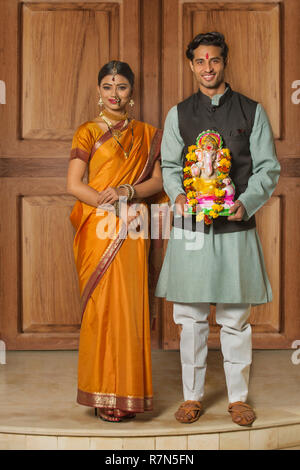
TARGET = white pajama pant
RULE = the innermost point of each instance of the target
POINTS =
(236, 346)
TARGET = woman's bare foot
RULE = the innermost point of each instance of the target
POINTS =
(123, 414)
(107, 414)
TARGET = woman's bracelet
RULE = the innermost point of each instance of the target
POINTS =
(130, 190)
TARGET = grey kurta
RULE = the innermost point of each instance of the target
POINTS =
(224, 267)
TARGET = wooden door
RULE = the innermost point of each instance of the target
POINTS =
(50, 56)
(50, 53)
(264, 65)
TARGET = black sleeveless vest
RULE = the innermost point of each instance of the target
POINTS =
(233, 118)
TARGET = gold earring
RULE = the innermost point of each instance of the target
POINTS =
(100, 102)
(131, 103)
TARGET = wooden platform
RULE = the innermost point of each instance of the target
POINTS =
(38, 408)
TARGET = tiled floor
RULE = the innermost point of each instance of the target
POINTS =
(38, 408)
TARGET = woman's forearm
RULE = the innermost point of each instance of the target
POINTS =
(90, 196)
(84, 193)
(148, 188)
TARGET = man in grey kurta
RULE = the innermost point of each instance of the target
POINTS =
(224, 266)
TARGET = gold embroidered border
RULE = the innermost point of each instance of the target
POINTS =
(106, 137)
(109, 400)
(150, 161)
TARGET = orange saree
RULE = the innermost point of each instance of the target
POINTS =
(114, 364)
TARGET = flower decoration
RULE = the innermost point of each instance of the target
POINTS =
(212, 141)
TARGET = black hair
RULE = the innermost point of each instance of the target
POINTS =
(122, 68)
(208, 39)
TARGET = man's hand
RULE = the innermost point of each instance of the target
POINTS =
(237, 210)
(180, 201)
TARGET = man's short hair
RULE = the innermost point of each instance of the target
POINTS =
(208, 39)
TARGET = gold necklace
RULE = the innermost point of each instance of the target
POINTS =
(115, 132)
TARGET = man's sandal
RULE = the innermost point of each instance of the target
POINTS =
(189, 411)
(241, 413)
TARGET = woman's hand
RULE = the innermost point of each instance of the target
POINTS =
(111, 195)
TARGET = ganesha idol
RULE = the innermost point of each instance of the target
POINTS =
(209, 188)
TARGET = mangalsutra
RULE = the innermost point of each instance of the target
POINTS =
(116, 134)
(126, 154)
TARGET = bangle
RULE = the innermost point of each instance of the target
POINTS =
(127, 189)
(130, 190)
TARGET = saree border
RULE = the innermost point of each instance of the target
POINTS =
(153, 155)
(111, 400)
(106, 136)
(77, 152)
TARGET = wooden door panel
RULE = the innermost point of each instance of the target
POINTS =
(40, 301)
(267, 318)
(50, 296)
(72, 41)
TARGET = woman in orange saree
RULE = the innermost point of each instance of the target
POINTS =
(114, 363)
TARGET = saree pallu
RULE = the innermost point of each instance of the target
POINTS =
(114, 363)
